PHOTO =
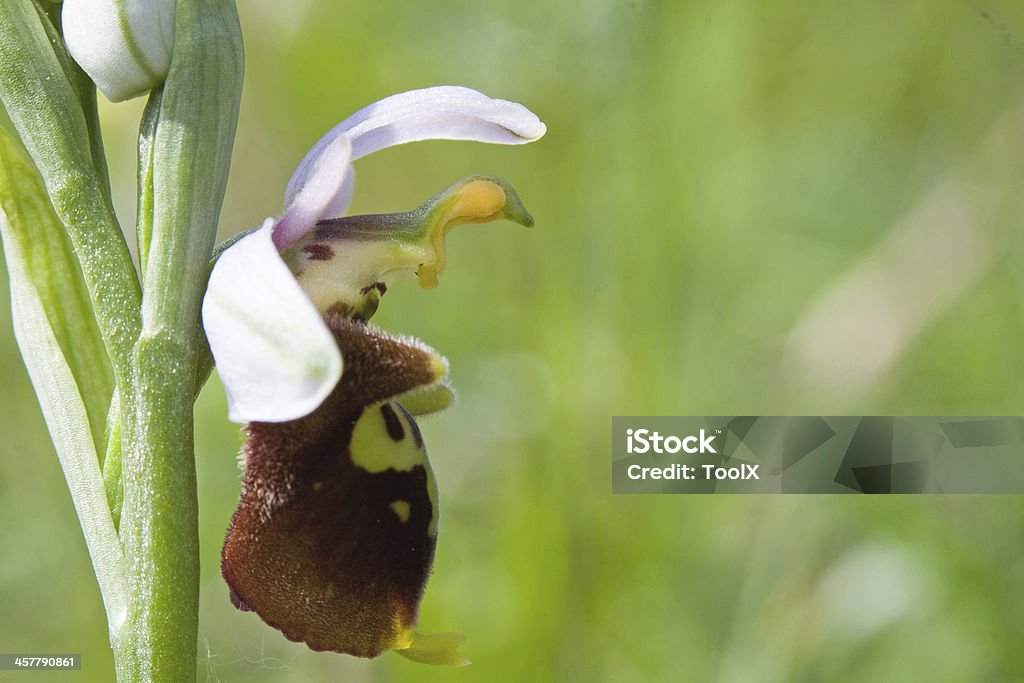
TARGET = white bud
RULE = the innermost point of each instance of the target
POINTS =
(124, 45)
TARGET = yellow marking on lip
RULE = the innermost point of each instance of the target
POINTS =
(374, 451)
(402, 509)
(371, 449)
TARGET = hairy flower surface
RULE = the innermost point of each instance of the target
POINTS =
(334, 537)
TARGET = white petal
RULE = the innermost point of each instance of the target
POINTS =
(276, 357)
(441, 113)
(338, 204)
(124, 45)
(325, 190)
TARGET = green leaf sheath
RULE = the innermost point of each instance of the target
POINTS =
(191, 157)
(186, 139)
(144, 208)
(44, 107)
(112, 461)
(54, 271)
(83, 85)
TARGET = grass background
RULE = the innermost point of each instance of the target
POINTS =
(742, 208)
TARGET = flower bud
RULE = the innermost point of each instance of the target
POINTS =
(124, 45)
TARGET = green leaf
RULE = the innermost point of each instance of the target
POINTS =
(144, 208)
(61, 402)
(112, 462)
(51, 266)
(45, 108)
(80, 81)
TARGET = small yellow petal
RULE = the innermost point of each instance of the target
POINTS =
(427, 400)
(437, 648)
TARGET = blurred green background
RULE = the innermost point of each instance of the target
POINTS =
(742, 208)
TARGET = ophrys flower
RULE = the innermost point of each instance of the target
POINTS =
(334, 537)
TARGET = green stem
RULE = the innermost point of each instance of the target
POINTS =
(185, 149)
(159, 520)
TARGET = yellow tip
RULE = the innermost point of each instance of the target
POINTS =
(478, 201)
(437, 648)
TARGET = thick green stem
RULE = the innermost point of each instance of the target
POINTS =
(185, 149)
(159, 522)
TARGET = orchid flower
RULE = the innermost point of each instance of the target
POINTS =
(275, 355)
(334, 537)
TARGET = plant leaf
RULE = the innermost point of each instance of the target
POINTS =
(51, 266)
(67, 420)
(46, 110)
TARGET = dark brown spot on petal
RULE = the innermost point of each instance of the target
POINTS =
(339, 311)
(392, 423)
(416, 435)
(319, 252)
(379, 286)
